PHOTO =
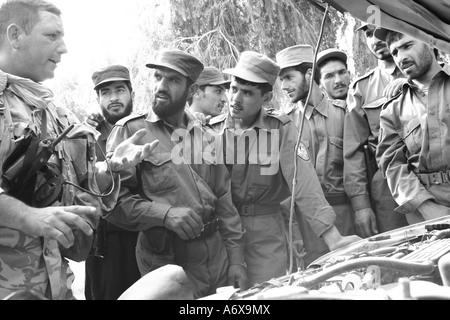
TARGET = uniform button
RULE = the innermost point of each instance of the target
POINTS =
(434, 135)
(156, 161)
(46, 252)
(433, 113)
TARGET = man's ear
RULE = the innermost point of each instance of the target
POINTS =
(192, 90)
(268, 96)
(132, 96)
(13, 32)
(308, 75)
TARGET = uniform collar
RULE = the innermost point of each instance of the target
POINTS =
(339, 103)
(444, 72)
(260, 121)
(321, 108)
(192, 120)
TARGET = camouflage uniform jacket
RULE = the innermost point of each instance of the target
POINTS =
(29, 262)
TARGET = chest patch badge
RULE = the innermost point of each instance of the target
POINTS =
(302, 152)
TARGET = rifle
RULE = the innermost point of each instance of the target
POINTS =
(30, 155)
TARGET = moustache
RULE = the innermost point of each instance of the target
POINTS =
(380, 46)
(116, 104)
(406, 64)
(162, 94)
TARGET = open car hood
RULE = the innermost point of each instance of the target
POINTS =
(426, 20)
(412, 262)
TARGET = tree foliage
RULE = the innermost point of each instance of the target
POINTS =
(216, 31)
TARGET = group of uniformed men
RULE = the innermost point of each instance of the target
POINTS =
(232, 187)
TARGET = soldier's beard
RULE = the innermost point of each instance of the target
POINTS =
(169, 108)
(113, 118)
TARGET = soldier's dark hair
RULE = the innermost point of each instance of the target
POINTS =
(304, 67)
(24, 13)
(264, 87)
(393, 36)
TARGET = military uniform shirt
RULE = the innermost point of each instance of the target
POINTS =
(415, 139)
(158, 184)
(250, 187)
(31, 262)
(322, 135)
(362, 124)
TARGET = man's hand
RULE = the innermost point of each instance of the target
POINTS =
(365, 223)
(237, 274)
(95, 120)
(184, 222)
(57, 223)
(335, 240)
(297, 246)
(394, 88)
(129, 153)
(431, 210)
(201, 116)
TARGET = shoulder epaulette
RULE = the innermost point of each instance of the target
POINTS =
(217, 119)
(124, 121)
(280, 115)
(392, 99)
(364, 76)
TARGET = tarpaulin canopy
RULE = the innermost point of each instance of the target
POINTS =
(426, 20)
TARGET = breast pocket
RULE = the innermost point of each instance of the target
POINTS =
(336, 150)
(262, 170)
(412, 132)
(373, 110)
(158, 174)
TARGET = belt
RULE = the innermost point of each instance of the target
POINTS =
(434, 178)
(335, 199)
(209, 228)
(258, 209)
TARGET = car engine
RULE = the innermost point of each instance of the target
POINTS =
(407, 263)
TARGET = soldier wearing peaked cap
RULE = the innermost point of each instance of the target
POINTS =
(262, 171)
(112, 268)
(368, 191)
(210, 98)
(322, 132)
(181, 206)
(333, 72)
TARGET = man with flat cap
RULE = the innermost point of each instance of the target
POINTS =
(368, 190)
(334, 75)
(210, 98)
(260, 152)
(113, 268)
(180, 204)
(322, 133)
